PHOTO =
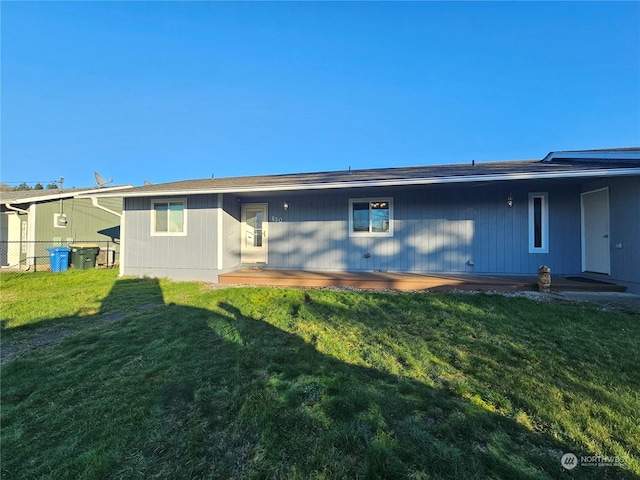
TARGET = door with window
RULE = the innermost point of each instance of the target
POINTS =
(595, 232)
(254, 233)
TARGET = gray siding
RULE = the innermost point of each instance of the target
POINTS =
(464, 229)
(193, 256)
(436, 230)
(231, 232)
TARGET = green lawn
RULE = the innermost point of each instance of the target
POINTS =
(142, 379)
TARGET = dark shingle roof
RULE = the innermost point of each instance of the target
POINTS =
(384, 176)
(346, 176)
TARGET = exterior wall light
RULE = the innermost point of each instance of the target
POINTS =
(510, 200)
(285, 205)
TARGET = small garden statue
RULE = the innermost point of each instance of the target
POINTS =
(544, 278)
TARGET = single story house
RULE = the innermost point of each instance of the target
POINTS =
(576, 211)
(33, 220)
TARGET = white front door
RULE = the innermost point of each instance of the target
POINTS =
(254, 233)
(595, 231)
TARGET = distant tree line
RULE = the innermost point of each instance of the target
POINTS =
(24, 186)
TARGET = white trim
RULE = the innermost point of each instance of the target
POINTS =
(603, 172)
(153, 231)
(31, 234)
(78, 193)
(544, 248)
(388, 233)
(122, 241)
(220, 226)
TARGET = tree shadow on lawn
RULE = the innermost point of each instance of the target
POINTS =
(124, 299)
(556, 375)
(171, 391)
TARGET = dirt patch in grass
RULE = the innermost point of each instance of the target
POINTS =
(18, 346)
(606, 300)
(112, 317)
(15, 349)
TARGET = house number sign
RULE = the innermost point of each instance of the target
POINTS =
(276, 219)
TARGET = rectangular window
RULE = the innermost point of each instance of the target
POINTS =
(168, 217)
(371, 217)
(538, 223)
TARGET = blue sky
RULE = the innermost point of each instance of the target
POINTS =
(165, 91)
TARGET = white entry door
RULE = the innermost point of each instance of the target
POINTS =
(254, 233)
(595, 232)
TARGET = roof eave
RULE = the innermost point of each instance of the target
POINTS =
(381, 183)
(593, 155)
(59, 195)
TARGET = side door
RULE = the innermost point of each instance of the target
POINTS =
(595, 232)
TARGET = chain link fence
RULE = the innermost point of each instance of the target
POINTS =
(22, 256)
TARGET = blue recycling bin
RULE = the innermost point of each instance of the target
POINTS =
(59, 258)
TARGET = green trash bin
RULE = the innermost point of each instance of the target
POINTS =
(83, 255)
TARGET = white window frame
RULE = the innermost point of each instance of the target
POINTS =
(389, 233)
(157, 201)
(544, 225)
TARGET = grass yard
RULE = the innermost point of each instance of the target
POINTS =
(141, 378)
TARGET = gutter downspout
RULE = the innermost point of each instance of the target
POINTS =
(16, 209)
(94, 202)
